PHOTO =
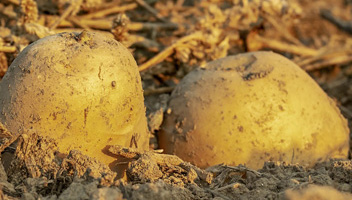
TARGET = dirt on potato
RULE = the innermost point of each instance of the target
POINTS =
(168, 39)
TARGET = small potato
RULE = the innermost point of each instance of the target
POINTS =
(84, 90)
(252, 108)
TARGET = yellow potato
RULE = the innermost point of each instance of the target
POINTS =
(84, 90)
(252, 108)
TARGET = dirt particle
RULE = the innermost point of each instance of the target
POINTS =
(113, 84)
(86, 110)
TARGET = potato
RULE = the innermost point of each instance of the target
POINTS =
(252, 108)
(84, 90)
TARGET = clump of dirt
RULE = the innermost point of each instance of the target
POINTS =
(39, 168)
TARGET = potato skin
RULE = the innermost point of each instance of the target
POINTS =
(82, 89)
(251, 108)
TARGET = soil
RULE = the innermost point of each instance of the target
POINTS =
(38, 172)
(169, 39)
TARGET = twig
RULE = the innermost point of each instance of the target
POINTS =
(168, 51)
(151, 10)
(95, 24)
(8, 49)
(162, 90)
(62, 17)
(290, 48)
(150, 45)
(179, 3)
(136, 26)
(109, 11)
(333, 61)
(344, 25)
(70, 10)
(326, 53)
(346, 111)
(109, 4)
(78, 23)
(305, 61)
(279, 27)
(104, 24)
(15, 2)
(241, 168)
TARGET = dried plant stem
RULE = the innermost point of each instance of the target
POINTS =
(107, 25)
(8, 49)
(78, 23)
(307, 60)
(281, 46)
(324, 54)
(344, 25)
(158, 90)
(326, 57)
(151, 10)
(283, 31)
(168, 51)
(338, 60)
(15, 2)
(137, 26)
(346, 111)
(109, 11)
(97, 24)
(64, 15)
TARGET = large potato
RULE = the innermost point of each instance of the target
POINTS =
(82, 89)
(252, 108)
